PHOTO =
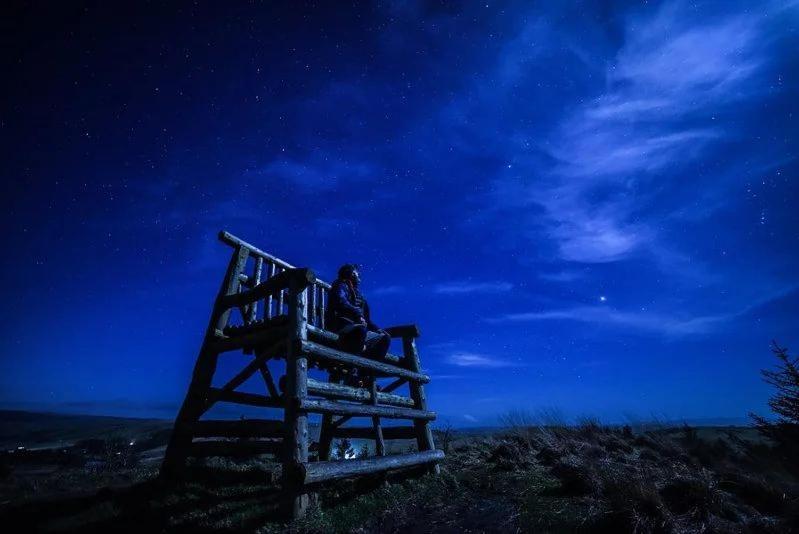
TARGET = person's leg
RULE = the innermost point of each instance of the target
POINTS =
(377, 344)
(352, 339)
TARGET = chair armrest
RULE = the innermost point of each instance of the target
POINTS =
(403, 331)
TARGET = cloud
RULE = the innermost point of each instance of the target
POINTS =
(647, 321)
(662, 91)
(471, 359)
(388, 290)
(470, 418)
(456, 288)
(642, 321)
(561, 276)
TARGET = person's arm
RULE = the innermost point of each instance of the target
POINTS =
(339, 299)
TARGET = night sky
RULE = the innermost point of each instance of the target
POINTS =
(590, 206)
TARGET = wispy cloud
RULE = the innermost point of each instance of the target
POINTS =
(388, 290)
(640, 321)
(662, 93)
(471, 359)
(455, 288)
(561, 276)
(672, 325)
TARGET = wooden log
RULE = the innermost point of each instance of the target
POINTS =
(241, 397)
(386, 389)
(252, 309)
(403, 331)
(194, 404)
(299, 277)
(329, 338)
(270, 384)
(322, 471)
(340, 391)
(380, 444)
(230, 287)
(364, 410)
(270, 299)
(296, 419)
(367, 432)
(280, 295)
(235, 448)
(253, 340)
(320, 351)
(238, 428)
(424, 435)
(322, 299)
(251, 368)
(233, 241)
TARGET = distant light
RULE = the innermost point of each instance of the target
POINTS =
(603, 298)
(131, 443)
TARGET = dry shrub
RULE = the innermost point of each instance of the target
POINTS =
(634, 504)
(755, 492)
(699, 496)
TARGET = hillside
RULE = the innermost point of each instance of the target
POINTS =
(585, 478)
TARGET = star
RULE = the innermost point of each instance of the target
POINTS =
(603, 298)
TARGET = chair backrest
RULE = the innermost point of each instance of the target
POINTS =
(252, 266)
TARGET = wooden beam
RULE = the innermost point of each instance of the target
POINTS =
(235, 448)
(222, 343)
(320, 351)
(361, 410)
(340, 391)
(271, 286)
(367, 432)
(424, 435)
(322, 471)
(326, 337)
(296, 419)
(233, 241)
(380, 444)
(238, 428)
(250, 369)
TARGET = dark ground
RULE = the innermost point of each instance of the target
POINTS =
(585, 478)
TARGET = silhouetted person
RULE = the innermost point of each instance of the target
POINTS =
(348, 315)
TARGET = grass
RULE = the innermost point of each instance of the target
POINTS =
(537, 476)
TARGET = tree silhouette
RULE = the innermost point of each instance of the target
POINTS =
(784, 431)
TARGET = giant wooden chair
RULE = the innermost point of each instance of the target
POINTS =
(282, 311)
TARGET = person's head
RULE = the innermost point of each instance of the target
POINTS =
(350, 271)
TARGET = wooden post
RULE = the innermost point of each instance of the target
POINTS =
(252, 309)
(270, 299)
(326, 430)
(424, 435)
(194, 405)
(380, 444)
(296, 421)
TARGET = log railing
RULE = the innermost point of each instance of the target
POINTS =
(264, 268)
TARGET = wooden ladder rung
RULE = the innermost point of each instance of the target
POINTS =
(339, 391)
(364, 410)
(322, 471)
(326, 353)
